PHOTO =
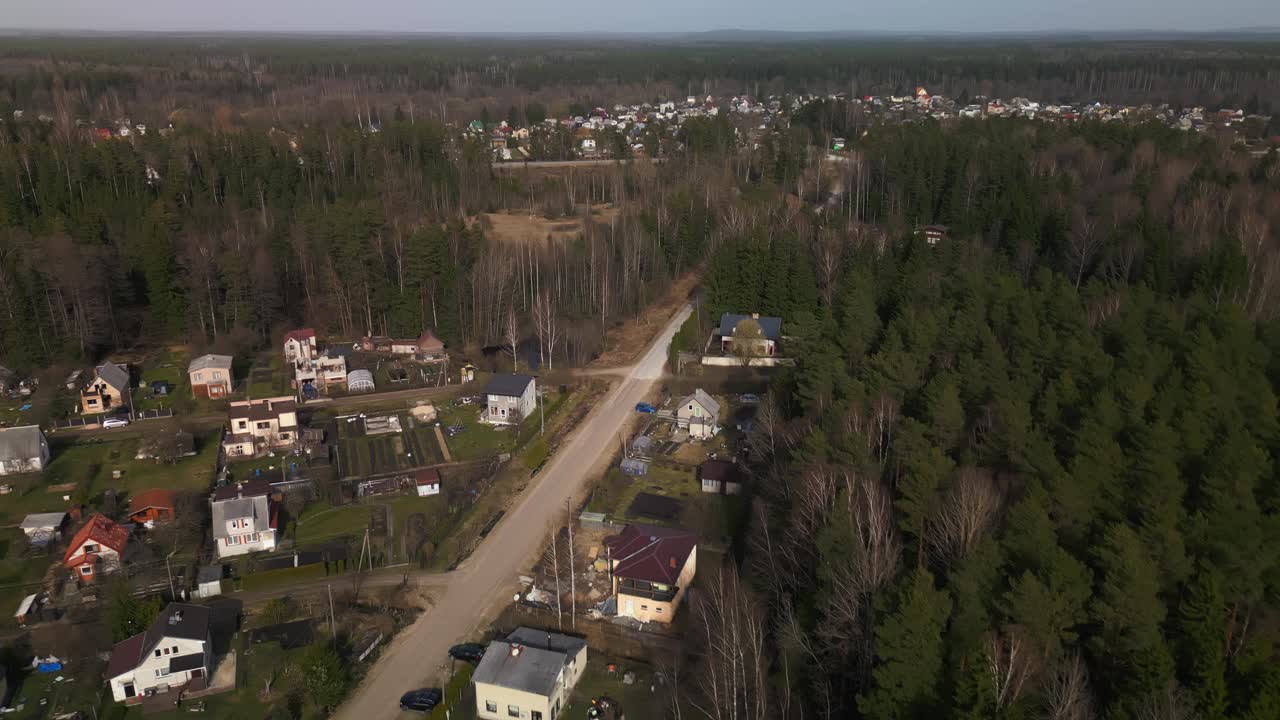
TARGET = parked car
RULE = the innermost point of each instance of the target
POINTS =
(467, 652)
(644, 407)
(422, 701)
(749, 398)
(115, 422)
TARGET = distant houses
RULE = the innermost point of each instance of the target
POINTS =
(22, 450)
(149, 507)
(750, 335)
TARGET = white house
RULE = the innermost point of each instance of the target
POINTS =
(300, 345)
(529, 675)
(261, 425)
(175, 653)
(244, 518)
(509, 399)
(427, 482)
(22, 450)
(700, 413)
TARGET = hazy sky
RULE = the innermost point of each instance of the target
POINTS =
(636, 16)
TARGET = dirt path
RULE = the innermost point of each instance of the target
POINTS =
(487, 580)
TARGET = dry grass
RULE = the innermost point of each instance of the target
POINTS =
(518, 227)
(626, 342)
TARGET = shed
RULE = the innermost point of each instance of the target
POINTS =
(635, 466)
(360, 381)
(43, 528)
(209, 581)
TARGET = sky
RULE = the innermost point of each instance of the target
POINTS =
(541, 16)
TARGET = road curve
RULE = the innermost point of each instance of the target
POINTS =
(488, 579)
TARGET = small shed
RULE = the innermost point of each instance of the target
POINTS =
(209, 581)
(635, 466)
(427, 482)
(43, 528)
(360, 381)
(30, 604)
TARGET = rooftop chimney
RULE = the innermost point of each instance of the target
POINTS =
(673, 562)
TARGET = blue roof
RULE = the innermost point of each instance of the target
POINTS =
(770, 326)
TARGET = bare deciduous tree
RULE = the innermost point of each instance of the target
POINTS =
(1011, 663)
(735, 670)
(971, 505)
(512, 333)
(1066, 691)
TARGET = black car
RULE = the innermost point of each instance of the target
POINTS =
(467, 652)
(423, 700)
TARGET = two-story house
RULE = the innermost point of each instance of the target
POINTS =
(210, 376)
(652, 568)
(699, 413)
(107, 391)
(244, 518)
(175, 653)
(529, 675)
(260, 425)
(317, 375)
(96, 549)
(299, 346)
(509, 399)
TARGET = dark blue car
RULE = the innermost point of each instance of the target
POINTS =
(422, 701)
(644, 407)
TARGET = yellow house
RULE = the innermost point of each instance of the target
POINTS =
(107, 391)
(529, 675)
(652, 569)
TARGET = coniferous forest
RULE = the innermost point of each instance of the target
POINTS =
(1028, 472)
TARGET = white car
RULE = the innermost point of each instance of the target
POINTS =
(115, 422)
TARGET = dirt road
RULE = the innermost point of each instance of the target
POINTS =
(488, 579)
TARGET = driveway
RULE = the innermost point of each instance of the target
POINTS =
(488, 579)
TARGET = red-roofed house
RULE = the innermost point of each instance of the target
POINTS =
(427, 482)
(152, 506)
(96, 549)
(652, 568)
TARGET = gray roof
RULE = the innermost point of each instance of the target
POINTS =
(20, 443)
(257, 507)
(546, 640)
(534, 670)
(508, 385)
(38, 521)
(186, 662)
(117, 376)
(209, 573)
(770, 326)
(206, 362)
(704, 400)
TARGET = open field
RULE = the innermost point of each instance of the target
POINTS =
(364, 456)
(520, 227)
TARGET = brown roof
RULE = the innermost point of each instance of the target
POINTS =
(100, 530)
(428, 341)
(177, 620)
(427, 476)
(153, 498)
(252, 487)
(125, 656)
(651, 553)
(301, 334)
(262, 409)
(719, 471)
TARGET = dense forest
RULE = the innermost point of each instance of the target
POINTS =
(1028, 472)
(289, 80)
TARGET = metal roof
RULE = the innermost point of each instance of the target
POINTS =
(38, 521)
(20, 443)
(508, 385)
(206, 362)
(537, 665)
(702, 398)
(770, 327)
(117, 376)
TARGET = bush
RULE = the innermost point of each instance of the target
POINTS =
(536, 454)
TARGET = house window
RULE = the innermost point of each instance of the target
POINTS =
(284, 436)
(161, 672)
(166, 651)
(490, 706)
(217, 375)
(513, 711)
(644, 607)
(86, 569)
(536, 715)
(264, 426)
(157, 652)
(244, 424)
(91, 548)
(175, 649)
(659, 610)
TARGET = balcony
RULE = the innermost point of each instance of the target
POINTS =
(647, 590)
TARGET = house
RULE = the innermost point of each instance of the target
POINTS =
(175, 653)
(244, 518)
(22, 450)
(427, 482)
(933, 234)
(96, 549)
(209, 581)
(700, 413)
(152, 506)
(750, 334)
(528, 675)
(720, 477)
(430, 347)
(108, 390)
(321, 372)
(509, 399)
(652, 568)
(42, 529)
(299, 345)
(210, 376)
(261, 425)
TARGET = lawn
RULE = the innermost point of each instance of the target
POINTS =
(269, 377)
(88, 467)
(637, 700)
(20, 573)
(273, 578)
(74, 692)
(363, 456)
(169, 366)
(479, 440)
(321, 523)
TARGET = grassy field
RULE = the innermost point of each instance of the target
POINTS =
(269, 378)
(89, 468)
(169, 366)
(274, 578)
(74, 692)
(637, 700)
(321, 523)
(479, 440)
(363, 456)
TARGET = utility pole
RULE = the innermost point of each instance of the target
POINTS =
(542, 414)
(333, 633)
(169, 569)
(573, 594)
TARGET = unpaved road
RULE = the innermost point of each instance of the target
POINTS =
(488, 579)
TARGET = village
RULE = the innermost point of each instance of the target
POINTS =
(234, 496)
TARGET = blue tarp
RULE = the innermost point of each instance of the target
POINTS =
(49, 667)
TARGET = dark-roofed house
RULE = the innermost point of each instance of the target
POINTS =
(529, 675)
(257, 426)
(652, 568)
(210, 376)
(108, 390)
(22, 450)
(244, 518)
(750, 334)
(173, 654)
(509, 399)
(96, 549)
(721, 477)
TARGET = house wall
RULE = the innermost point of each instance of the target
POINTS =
(647, 610)
(106, 397)
(266, 541)
(144, 676)
(35, 464)
(502, 698)
(525, 406)
(100, 562)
